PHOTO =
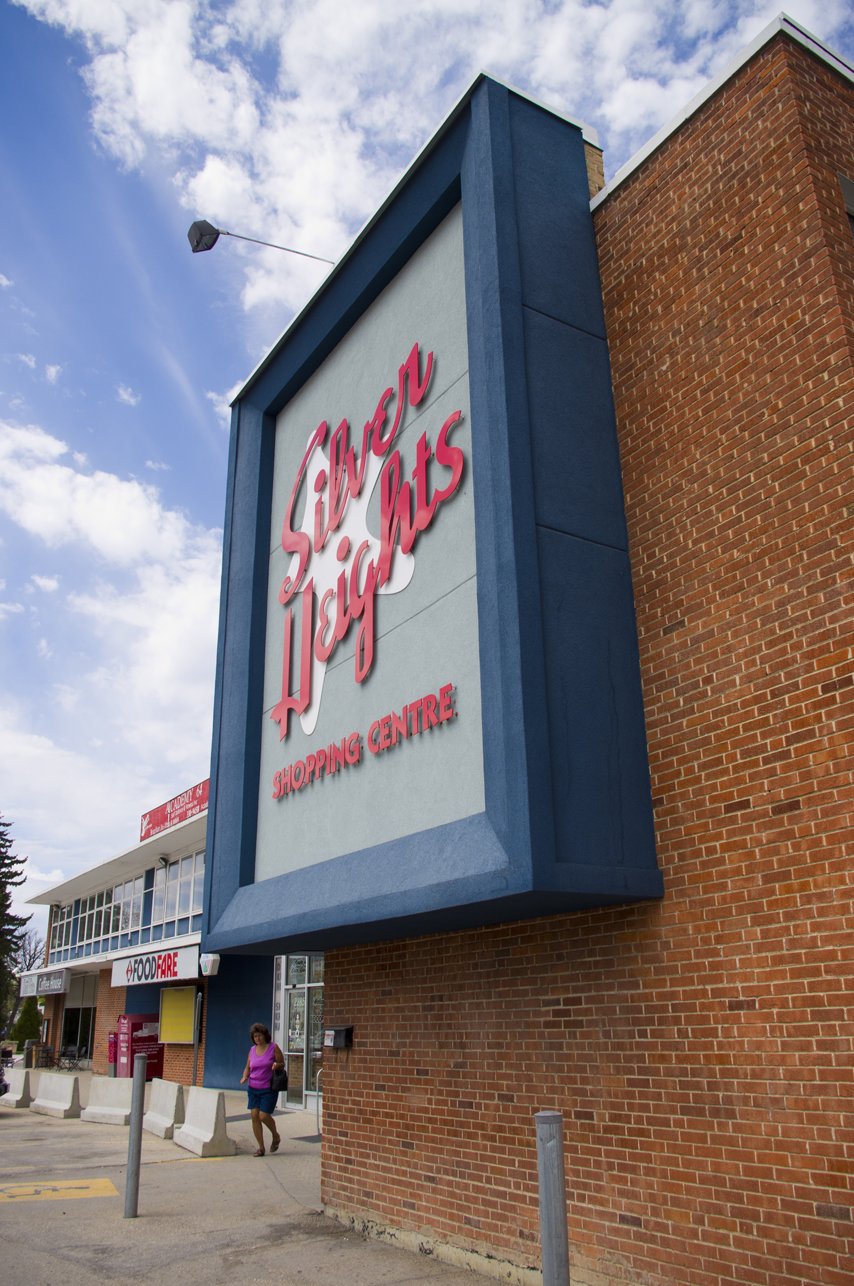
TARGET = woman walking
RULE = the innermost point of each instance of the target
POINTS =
(264, 1056)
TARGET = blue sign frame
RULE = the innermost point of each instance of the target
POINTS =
(568, 816)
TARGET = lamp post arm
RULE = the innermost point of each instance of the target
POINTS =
(224, 233)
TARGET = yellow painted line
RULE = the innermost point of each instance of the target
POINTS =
(58, 1190)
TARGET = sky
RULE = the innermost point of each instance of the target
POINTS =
(122, 121)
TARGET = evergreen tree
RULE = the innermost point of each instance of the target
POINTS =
(29, 1024)
(12, 927)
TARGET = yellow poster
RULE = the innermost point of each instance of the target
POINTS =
(177, 1010)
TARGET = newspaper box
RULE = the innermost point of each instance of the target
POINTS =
(138, 1034)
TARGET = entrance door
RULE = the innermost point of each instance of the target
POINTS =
(78, 1020)
(298, 1026)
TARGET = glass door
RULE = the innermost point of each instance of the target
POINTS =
(298, 1026)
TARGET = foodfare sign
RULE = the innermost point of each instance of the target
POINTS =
(156, 966)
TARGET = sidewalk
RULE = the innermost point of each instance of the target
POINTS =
(241, 1218)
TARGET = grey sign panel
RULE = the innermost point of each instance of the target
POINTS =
(426, 631)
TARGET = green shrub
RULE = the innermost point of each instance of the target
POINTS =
(29, 1024)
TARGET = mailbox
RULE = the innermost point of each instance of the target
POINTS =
(338, 1038)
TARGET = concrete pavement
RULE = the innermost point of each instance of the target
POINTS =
(211, 1222)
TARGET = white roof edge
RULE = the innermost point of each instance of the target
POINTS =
(96, 963)
(781, 23)
(588, 132)
(94, 878)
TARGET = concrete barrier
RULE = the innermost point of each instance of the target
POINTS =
(203, 1131)
(109, 1100)
(58, 1095)
(165, 1108)
(19, 1088)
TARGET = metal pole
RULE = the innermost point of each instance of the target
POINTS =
(317, 1087)
(196, 1035)
(552, 1179)
(137, 1107)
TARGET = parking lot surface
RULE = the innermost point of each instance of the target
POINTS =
(212, 1221)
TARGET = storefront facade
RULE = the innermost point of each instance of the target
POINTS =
(122, 932)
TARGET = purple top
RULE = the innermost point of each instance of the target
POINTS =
(261, 1067)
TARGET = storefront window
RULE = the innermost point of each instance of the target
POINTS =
(78, 1019)
(120, 917)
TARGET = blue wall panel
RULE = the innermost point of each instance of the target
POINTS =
(144, 999)
(576, 459)
(600, 777)
(559, 269)
(241, 994)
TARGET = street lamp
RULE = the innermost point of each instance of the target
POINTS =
(204, 236)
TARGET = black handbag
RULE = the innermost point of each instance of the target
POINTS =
(279, 1081)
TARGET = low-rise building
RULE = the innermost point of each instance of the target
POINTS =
(122, 931)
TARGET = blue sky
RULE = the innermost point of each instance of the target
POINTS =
(119, 348)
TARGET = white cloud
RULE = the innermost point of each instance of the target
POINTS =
(52, 373)
(222, 403)
(5, 283)
(27, 359)
(150, 464)
(127, 395)
(9, 609)
(44, 877)
(122, 521)
(303, 153)
(130, 720)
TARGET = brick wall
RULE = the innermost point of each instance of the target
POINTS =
(177, 1059)
(53, 1008)
(595, 168)
(700, 1048)
(111, 1003)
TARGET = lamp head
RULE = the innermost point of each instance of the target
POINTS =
(202, 236)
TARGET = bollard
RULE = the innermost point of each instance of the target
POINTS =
(552, 1180)
(137, 1108)
(196, 1018)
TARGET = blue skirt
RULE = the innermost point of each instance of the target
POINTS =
(263, 1099)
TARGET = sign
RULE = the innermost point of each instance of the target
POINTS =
(52, 984)
(138, 1034)
(372, 618)
(29, 985)
(156, 966)
(346, 570)
(176, 810)
(391, 730)
(429, 467)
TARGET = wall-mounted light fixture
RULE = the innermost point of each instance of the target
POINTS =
(204, 236)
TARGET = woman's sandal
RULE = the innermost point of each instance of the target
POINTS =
(259, 1153)
(274, 1146)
